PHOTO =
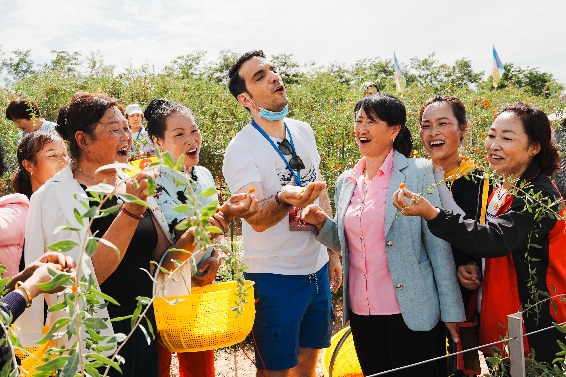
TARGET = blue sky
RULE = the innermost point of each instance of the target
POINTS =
(526, 32)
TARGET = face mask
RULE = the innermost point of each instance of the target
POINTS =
(271, 115)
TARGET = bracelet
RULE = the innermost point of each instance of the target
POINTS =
(19, 285)
(279, 202)
(133, 216)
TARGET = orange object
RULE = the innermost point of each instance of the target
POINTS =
(74, 288)
(402, 186)
(144, 163)
(251, 190)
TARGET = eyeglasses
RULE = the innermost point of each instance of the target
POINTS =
(295, 162)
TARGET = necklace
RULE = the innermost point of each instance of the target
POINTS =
(88, 175)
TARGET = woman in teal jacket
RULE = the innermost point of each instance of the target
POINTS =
(400, 280)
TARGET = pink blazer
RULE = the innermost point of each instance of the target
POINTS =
(13, 212)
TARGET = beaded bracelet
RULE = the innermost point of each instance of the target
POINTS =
(133, 216)
(279, 202)
(19, 285)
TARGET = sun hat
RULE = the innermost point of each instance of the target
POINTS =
(133, 108)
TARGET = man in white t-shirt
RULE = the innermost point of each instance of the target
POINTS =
(277, 156)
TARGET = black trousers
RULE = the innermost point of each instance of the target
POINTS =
(384, 342)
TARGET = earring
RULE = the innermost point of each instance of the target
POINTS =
(31, 173)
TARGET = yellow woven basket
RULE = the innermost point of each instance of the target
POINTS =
(204, 320)
(340, 359)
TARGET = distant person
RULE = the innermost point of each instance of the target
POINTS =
(141, 143)
(369, 88)
(27, 117)
(277, 156)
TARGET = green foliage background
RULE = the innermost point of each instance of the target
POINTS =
(323, 96)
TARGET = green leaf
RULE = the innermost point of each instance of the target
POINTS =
(104, 360)
(150, 328)
(110, 210)
(90, 369)
(208, 192)
(63, 245)
(183, 208)
(136, 314)
(179, 165)
(70, 369)
(128, 198)
(118, 319)
(57, 307)
(53, 364)
(56, 282)
(168, 160)
(105, 297)
(147, 338)
(210, 209)
(92, 212)
(151, 185)
(95, 323)
(90, 247)
(109, 244)
(183, 225)
(214, 229)
(78, 216)
(57, 325)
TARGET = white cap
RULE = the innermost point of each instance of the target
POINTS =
(133, 108)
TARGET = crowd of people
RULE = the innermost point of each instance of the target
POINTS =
(420, 246)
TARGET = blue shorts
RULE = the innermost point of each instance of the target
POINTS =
(292, 311)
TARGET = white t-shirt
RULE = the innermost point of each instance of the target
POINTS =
(251, 158)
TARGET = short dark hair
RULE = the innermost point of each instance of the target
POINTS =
(236, 83)
(458, 109)
(83, 113)
(29, 147)
(391, 110)
(537, 127)
(22, 108)
(157, 113)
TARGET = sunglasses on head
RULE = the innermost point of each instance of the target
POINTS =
(295, 162)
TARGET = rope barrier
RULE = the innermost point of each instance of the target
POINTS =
(464, 351)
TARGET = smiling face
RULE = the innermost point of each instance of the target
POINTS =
(111, 140)
(441, 134)
(181, 137)
(509, 151)
(48, 162)
(374, 136)
(264, 85)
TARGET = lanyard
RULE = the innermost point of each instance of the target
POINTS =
(297, 175)
(137, 136)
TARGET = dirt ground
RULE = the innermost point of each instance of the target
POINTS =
(238, 363)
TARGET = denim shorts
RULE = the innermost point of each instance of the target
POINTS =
(292, 311)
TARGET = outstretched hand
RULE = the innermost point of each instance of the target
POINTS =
(314, 215)
(301, 196)
(411, 204)
(242, 205)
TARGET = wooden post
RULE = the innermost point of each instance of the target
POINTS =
(516, 348)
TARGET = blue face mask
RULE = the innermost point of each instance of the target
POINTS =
(273, 115)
